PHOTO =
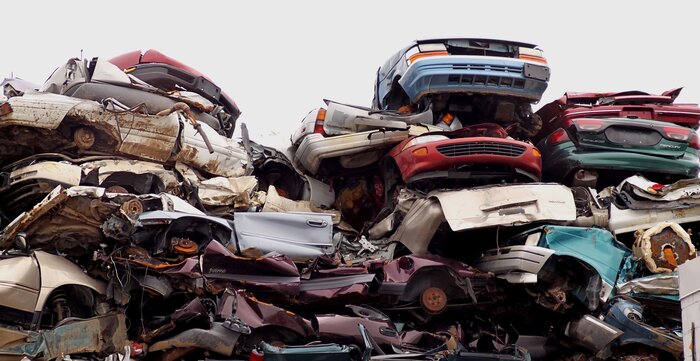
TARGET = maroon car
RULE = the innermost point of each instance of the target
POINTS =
(629, 104)
(432, 283)
(481, 153)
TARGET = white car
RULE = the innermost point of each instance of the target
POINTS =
(352, 136)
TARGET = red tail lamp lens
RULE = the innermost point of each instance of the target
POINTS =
(679, 134)
(694, 142)
(589, 124)
(256, 356)
(406, 263)
(320, 118)
(559, 136)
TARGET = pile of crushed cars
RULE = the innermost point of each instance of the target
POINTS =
(448, 221)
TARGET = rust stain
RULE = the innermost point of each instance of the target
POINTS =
(5, 108)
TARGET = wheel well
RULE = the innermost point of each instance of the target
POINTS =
(68, 301)
(391, 176)
(575, 277)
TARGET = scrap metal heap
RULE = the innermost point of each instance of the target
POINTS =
(135, 227)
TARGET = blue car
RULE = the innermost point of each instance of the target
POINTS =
(462, 67)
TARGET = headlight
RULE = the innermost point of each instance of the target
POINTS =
(424, 139)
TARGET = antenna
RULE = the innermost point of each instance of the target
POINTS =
(81, 54)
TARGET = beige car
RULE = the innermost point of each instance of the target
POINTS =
(49, 308)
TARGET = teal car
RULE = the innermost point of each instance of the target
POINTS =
(581, 262)
(599, 152)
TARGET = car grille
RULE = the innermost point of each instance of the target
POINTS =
(492, 79)
(472, 148)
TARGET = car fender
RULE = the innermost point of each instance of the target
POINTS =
(56, 271)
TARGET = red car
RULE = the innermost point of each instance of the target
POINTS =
(168, 74)
(629, 104)
(481, 153)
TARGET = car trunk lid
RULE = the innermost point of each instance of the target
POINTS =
(633, 135)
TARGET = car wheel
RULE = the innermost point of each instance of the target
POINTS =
(433, 300)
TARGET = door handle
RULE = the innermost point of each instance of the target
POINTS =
(316, 223)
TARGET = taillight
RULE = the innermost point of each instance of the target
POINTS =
(679, 134)
(320, 118)
(559, 136)
(694, 142)
(589, 125)
(406, 263)
(255, 355)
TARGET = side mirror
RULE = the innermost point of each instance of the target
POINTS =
(21, 242)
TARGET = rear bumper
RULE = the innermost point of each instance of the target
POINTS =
(315, 147)
(481, 151)
(475, 74)
(560, 160)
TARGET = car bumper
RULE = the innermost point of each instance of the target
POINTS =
(516, 264)
(454, 153)
(475, 74)
(315, 147)
(559, 161)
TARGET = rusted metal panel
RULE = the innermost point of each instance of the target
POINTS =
(5, 108)
(39, 110)
(148, 137)
(100, 335)
(217, 339)
(57, 196)
(229, 158)
(110, 167)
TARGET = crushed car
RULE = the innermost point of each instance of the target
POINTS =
(473, 155)
(598, 139)
(422, 227)
(460, 65)
(52, 308)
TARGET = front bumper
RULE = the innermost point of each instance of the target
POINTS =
(460, 152)
(475, 74)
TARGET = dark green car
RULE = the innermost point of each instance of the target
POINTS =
(599, 152)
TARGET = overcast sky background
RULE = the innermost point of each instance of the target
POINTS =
(279, 59)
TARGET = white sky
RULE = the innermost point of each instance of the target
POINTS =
(279, 59)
